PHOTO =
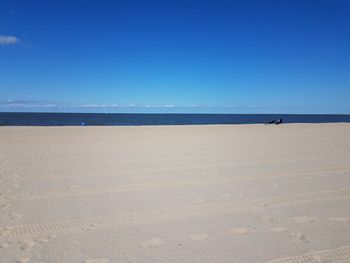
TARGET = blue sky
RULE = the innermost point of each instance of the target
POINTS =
(175, 56)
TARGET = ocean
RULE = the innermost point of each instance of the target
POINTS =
(121, 119)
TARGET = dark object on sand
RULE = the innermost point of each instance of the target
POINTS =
(279, 121)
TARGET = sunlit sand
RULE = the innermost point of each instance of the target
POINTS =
(234, 193)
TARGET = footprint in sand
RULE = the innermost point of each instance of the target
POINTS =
(239, 231)
(225, 196)
(198, 200)
(96, 260)
(14, 216)
(278, 229)
(260, 205)
(303, 219)
(6, 206)
(268, 219)
(26, 244)
(292, 181)
(45, 239)
(4, 245)
(275, 185)
(4, 231)
(199, 237)
(42, 240)
(298, 237)
(339, 219)
(154, 242)
(90, 227)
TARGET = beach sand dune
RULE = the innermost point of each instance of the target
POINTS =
(221, 193)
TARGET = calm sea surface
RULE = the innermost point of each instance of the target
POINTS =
(75, 119)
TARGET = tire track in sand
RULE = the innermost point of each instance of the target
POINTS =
(170, 214)
(336, 255)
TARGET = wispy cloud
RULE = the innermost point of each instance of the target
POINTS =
(52, 106)
(49, 106)
(29, 104)
(8, 40)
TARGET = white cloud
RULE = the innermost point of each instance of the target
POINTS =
(28, 104)
(52, 106)
(8, 40)
(49, 104)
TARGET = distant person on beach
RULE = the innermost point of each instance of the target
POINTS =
(279, 121)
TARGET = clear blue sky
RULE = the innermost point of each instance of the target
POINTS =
(190, 56)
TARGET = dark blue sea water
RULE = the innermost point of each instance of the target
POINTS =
(119, 119)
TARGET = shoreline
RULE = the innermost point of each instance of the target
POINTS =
(180, 125)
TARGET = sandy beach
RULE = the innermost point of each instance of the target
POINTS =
(221, 193)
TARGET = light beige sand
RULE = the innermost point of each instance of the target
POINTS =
(245, 193)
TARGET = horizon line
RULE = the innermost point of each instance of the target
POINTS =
(169, 113)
